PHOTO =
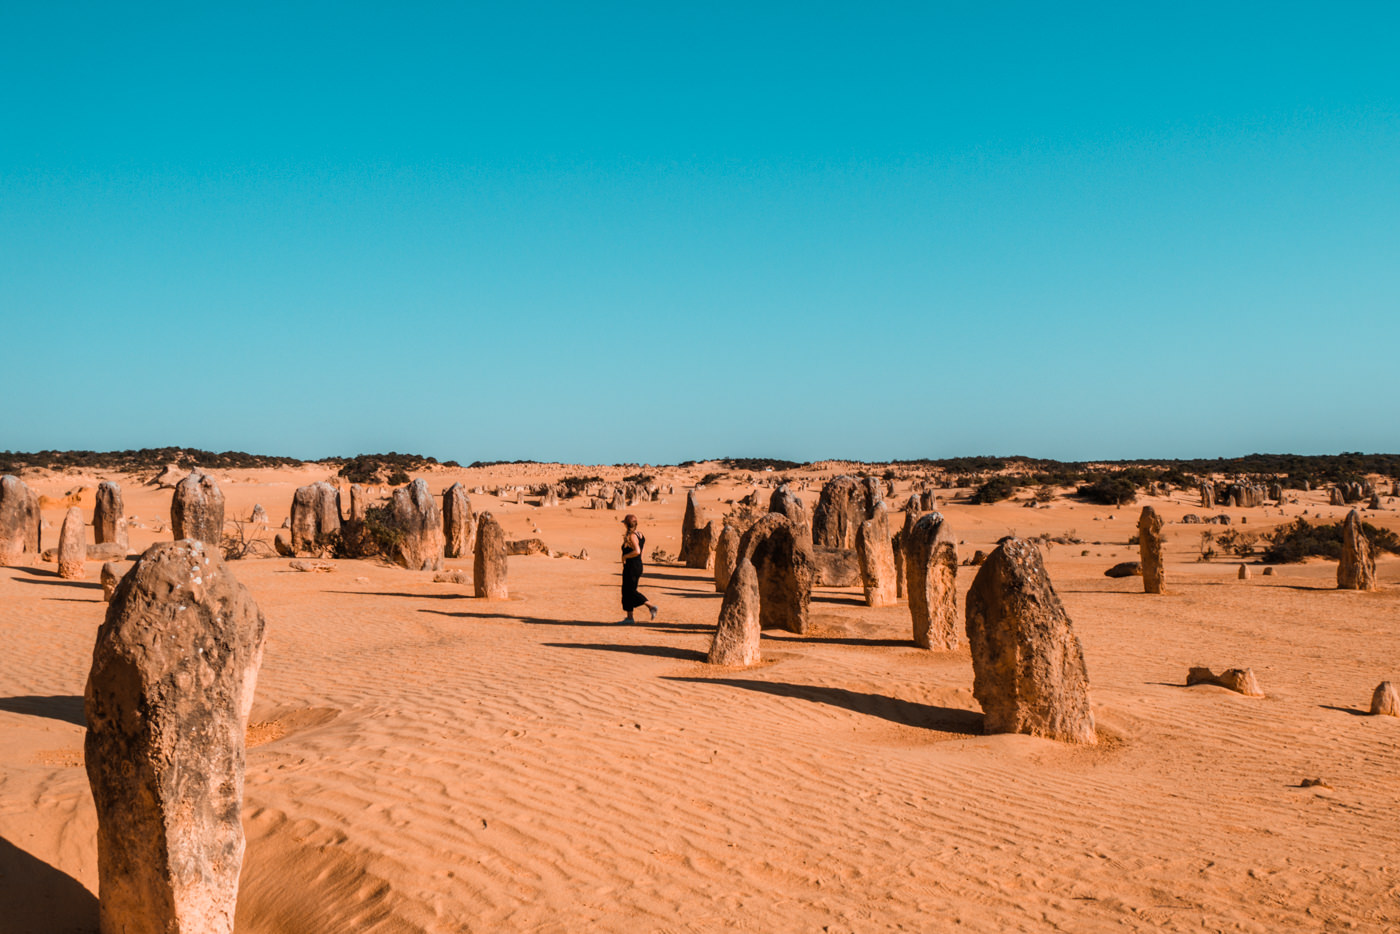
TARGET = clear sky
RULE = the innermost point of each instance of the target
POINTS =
(650, 232)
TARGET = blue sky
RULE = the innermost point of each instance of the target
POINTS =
(647, 233)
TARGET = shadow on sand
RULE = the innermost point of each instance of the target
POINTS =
(1354, 711)
(36, 898)
(660, 651)
(57, 581)
(65, 707)
(529, 620)
(905, 713)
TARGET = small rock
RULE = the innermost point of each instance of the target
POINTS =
(1385, 700)
(1240, 680)
(319, 567)
(1124, 569)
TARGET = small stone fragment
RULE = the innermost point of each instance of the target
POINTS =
(1125, 569)
(1240, 680)
(1385, 700)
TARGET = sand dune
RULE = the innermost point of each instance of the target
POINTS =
(421, 761)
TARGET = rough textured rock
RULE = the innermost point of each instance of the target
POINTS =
(1240, 680)
(417, 517)
(527, 546)
(359, 502)
(72, 546)
(1154, 575)
(550, 497)
(172, 680)
(1385, 700)
(1027, 663)
(737, 635)
(197, 509)
(458, 523)
(282, 544)
(311, 567)
(1244, 572)
(897, 549)
(784, 503)
(108, 521)
(835, 567)
(839, 513)
(1336, 497)
(1207, 495)
(169, 478)
(19, 521)
(874, 497)
(1357, 570)
(453, 576)
(875, 555)
(1375, 501)
(112, 573)
(931, 575)
(726, 557)
(489, 560)
(697, 544)
(315, 518)
(784, 569)
(1125, 569)
(259, 516)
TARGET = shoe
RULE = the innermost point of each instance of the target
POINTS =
(654, 610)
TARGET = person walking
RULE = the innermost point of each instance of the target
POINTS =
(632, 543)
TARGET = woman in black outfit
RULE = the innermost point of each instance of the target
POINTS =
(632, 543)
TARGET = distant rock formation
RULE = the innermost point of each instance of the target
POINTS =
(489, 560)
(931, 576)
(197, 509)
(108, 521)
(1150, 550)
(1357, 570)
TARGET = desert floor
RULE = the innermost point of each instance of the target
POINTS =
(425, 761)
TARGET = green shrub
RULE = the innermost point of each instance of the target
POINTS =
(1109, 491)
(994, 490)
(1297, 540)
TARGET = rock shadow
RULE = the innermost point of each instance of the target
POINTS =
(529, 620)
(65, 707)
(36, 898)
(57, 581)
(659, 651)
(1354, 711)
(905, 713)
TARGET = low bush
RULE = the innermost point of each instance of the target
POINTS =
(1297, 540)
(1109, 491)
(994, 490)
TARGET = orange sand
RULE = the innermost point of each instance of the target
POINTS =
(421, 761)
